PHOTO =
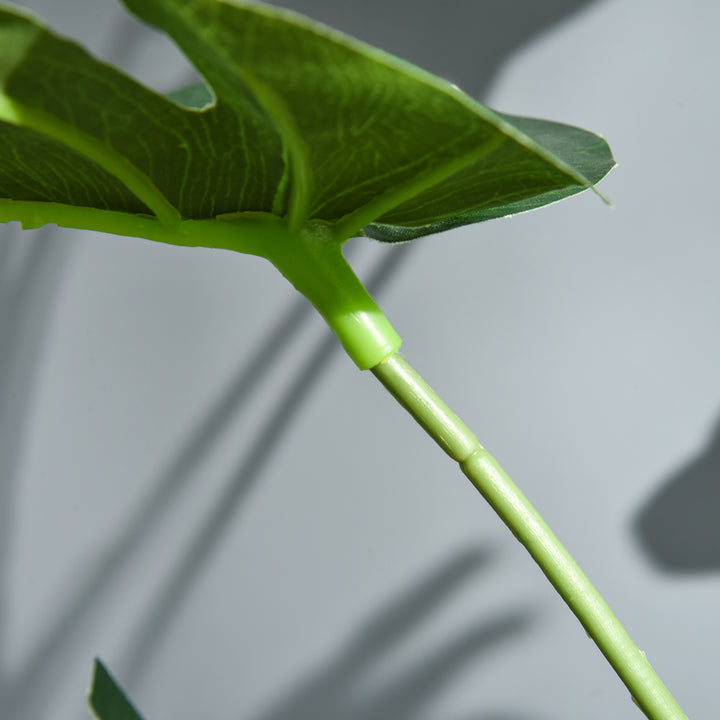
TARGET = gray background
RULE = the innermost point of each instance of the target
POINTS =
(196, 485)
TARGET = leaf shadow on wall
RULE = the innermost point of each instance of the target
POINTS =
(465, 42)
(679, 526)
(355, 685)
(31, 271)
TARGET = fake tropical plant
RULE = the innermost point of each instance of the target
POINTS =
(300, 139)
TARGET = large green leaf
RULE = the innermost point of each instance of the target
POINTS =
(302, 122)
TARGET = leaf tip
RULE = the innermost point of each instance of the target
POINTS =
(604, 198)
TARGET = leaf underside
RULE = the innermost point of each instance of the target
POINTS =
(296, 120)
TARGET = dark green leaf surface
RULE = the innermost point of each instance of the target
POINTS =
(106, 700)
(302, 121)
(185, 154)
(587, 153)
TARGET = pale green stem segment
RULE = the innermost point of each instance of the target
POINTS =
(453, 436)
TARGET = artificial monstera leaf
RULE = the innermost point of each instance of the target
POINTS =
(296, 120)
(299, 138)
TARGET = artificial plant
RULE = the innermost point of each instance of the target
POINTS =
(299, 139)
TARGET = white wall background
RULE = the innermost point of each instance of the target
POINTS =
(198, 487)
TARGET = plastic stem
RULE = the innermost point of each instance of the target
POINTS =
(483, 471)
(313, 262)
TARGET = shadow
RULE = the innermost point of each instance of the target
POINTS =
(27, 690)
(498, 716)
(679, 527)
(98, 584)
(30, 276)
(464, 41)
(213, 527)
(30, 271)
(353, 685)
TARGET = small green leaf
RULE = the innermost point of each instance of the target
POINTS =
(296, 120)
(106, 700)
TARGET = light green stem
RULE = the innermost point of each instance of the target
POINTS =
(453, 436)
(315, 265)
